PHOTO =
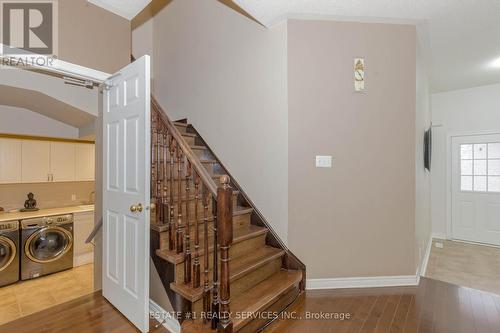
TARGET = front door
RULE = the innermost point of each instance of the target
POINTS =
(126, 183)
(476, 188)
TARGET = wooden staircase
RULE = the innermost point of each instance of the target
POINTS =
(201, 216)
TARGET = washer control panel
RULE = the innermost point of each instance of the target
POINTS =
(9, 226)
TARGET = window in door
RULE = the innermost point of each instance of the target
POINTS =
(480, 167)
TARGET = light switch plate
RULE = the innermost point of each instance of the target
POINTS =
(323, 161)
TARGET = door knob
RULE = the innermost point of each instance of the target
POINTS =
(136, 208)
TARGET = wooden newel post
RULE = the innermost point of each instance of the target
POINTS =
(225, 235)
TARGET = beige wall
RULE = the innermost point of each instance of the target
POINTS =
(12, 196)
(93, 37)
(227, 75)
(357, 218)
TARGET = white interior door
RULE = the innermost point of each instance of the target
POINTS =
(476, 188)
(126, 196)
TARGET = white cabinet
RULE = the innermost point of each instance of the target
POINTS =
(10, 161)
(85, 160)
(38, 161)
(62, 161)
(82, 227)
(35, 161)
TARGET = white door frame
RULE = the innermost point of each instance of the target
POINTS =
(449, 186)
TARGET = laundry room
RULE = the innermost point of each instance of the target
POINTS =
(47, 195)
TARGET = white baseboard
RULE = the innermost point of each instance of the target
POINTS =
(439, 235)
(362, 282)
(425, 259)
(83, 259)
(163, 316)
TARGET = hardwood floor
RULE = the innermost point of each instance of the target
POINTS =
(433, 306)
(89, 314)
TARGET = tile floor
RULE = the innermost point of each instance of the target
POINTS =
(467, 265)
(27, 297)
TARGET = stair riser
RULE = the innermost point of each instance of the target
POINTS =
(164, 236)
(242, 220)
(239, 221)
(211, 168)
(190, 140)
(246, 282)
(236, 250)
(200, 209)
(201, 153)
(191, 214)
(255, 324)
(181, 129)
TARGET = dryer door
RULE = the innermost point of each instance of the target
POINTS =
(7, 252)
(48, 244)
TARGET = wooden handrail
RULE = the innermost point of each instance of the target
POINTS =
(205, 177)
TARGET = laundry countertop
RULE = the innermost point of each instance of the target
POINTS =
(16, 216)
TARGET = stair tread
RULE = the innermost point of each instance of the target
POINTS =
(258, 298)
(192, 135)
(240, 235)
(198, 147)
(238, 268)
(264, 294)
(240, 210)
(176, 123)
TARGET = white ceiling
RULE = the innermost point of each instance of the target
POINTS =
(125, 8)
(460, 38)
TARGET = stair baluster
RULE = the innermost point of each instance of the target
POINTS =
(164, 178)
(187, 253)
(225, 231)
(180, 227)
(196, 265)
(172, 225)
(215, 269)
(206, 285)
